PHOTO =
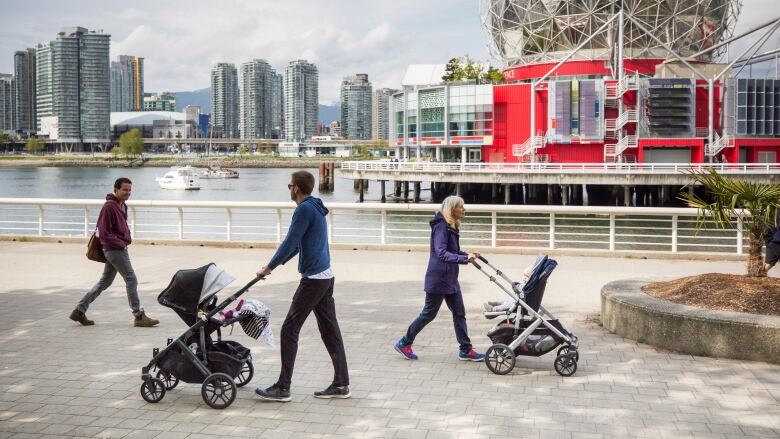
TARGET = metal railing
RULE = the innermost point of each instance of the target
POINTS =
(572, 168)
(495, 226)
(530, 145)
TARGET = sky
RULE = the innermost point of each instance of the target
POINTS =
(181, 40)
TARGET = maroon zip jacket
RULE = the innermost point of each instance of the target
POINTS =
(112, 224)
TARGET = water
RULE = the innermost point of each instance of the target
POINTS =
(636, 233)
(255, 184)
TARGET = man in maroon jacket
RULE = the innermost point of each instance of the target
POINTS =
(115, 237)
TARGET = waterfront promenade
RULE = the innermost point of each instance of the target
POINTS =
(58, 379)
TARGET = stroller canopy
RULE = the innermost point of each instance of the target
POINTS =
(189, 289)
(543, 267)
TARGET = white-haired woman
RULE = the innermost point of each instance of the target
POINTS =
(441, 281)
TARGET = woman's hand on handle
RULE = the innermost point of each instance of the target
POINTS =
(473, 256)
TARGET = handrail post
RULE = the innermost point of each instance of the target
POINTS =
(674, 233)
(132, 222)
(278, 226)
(86, 221)
(612, 232)
(40, 220)
(383, 228)
(552, 231)
(493, 229)
(739, 236)
(229, 224)
(330, 227)
(181, 223)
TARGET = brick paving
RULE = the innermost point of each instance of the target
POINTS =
(58, 379)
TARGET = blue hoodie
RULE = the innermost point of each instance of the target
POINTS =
(307, 235)
(445, 255)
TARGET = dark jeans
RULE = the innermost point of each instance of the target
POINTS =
(429, 311)
(116, 261)
(313, 295)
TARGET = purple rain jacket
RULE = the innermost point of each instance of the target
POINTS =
(445, 256)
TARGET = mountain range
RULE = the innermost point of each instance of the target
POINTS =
(202, 98)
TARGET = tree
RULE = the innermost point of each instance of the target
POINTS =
(116, 152)
(34, 146)
(4, 139)
(467, 69)
(754, 204)
(131, 143)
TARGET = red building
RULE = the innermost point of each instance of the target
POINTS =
(628, 112)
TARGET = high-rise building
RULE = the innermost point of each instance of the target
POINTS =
(165, 101)
(356, 107)
(301, 100)
(127, 84)
(24, 91)
(225, 100)
(277, 106)
(73, 92)
(121, 91)
(256, 109)
(6, 102)
(380, 113)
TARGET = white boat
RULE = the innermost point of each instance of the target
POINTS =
(180, 177)
(216, 171)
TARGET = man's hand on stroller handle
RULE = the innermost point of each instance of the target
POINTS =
(264, 272)
(473, 256)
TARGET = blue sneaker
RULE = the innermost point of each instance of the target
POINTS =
(471, 355)
(405, 350)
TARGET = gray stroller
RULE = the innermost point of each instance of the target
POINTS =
(527, 328)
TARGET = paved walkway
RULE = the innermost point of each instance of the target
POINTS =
(58, 379)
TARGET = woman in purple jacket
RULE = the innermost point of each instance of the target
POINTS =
(441, 281)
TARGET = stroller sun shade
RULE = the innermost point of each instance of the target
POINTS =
(543, 267)
(189, 289)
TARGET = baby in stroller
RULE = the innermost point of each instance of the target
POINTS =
(506, 305)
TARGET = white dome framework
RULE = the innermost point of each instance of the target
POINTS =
(534, 31)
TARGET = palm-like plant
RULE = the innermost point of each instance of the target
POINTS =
(754, 204)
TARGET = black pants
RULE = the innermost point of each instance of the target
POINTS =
(429, 311)
(313, 295)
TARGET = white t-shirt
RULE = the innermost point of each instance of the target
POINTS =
(327, 274)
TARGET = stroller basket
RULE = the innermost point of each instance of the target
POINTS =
(225, 356)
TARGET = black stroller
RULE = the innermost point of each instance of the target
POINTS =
(527, 328)
(222, 365)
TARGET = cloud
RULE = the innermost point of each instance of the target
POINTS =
(182, 40)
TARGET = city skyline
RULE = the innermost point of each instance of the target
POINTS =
(179, 54)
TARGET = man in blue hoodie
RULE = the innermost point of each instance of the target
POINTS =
(307, 237)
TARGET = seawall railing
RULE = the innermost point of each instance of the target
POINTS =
(564, 168)
(638, 229)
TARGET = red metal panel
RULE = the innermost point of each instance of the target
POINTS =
(574, 153)
(581, 68)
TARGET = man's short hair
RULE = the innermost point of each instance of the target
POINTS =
(304, 180)
(120, 181)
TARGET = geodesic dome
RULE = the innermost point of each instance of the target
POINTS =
(532, 31)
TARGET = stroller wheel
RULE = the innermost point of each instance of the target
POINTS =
(218, 390)
(565, 365)
(152, 390)
(566, 349)
(246, 374)
(168, 380)
(500, 359)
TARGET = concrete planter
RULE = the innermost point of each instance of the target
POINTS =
(629, 312)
